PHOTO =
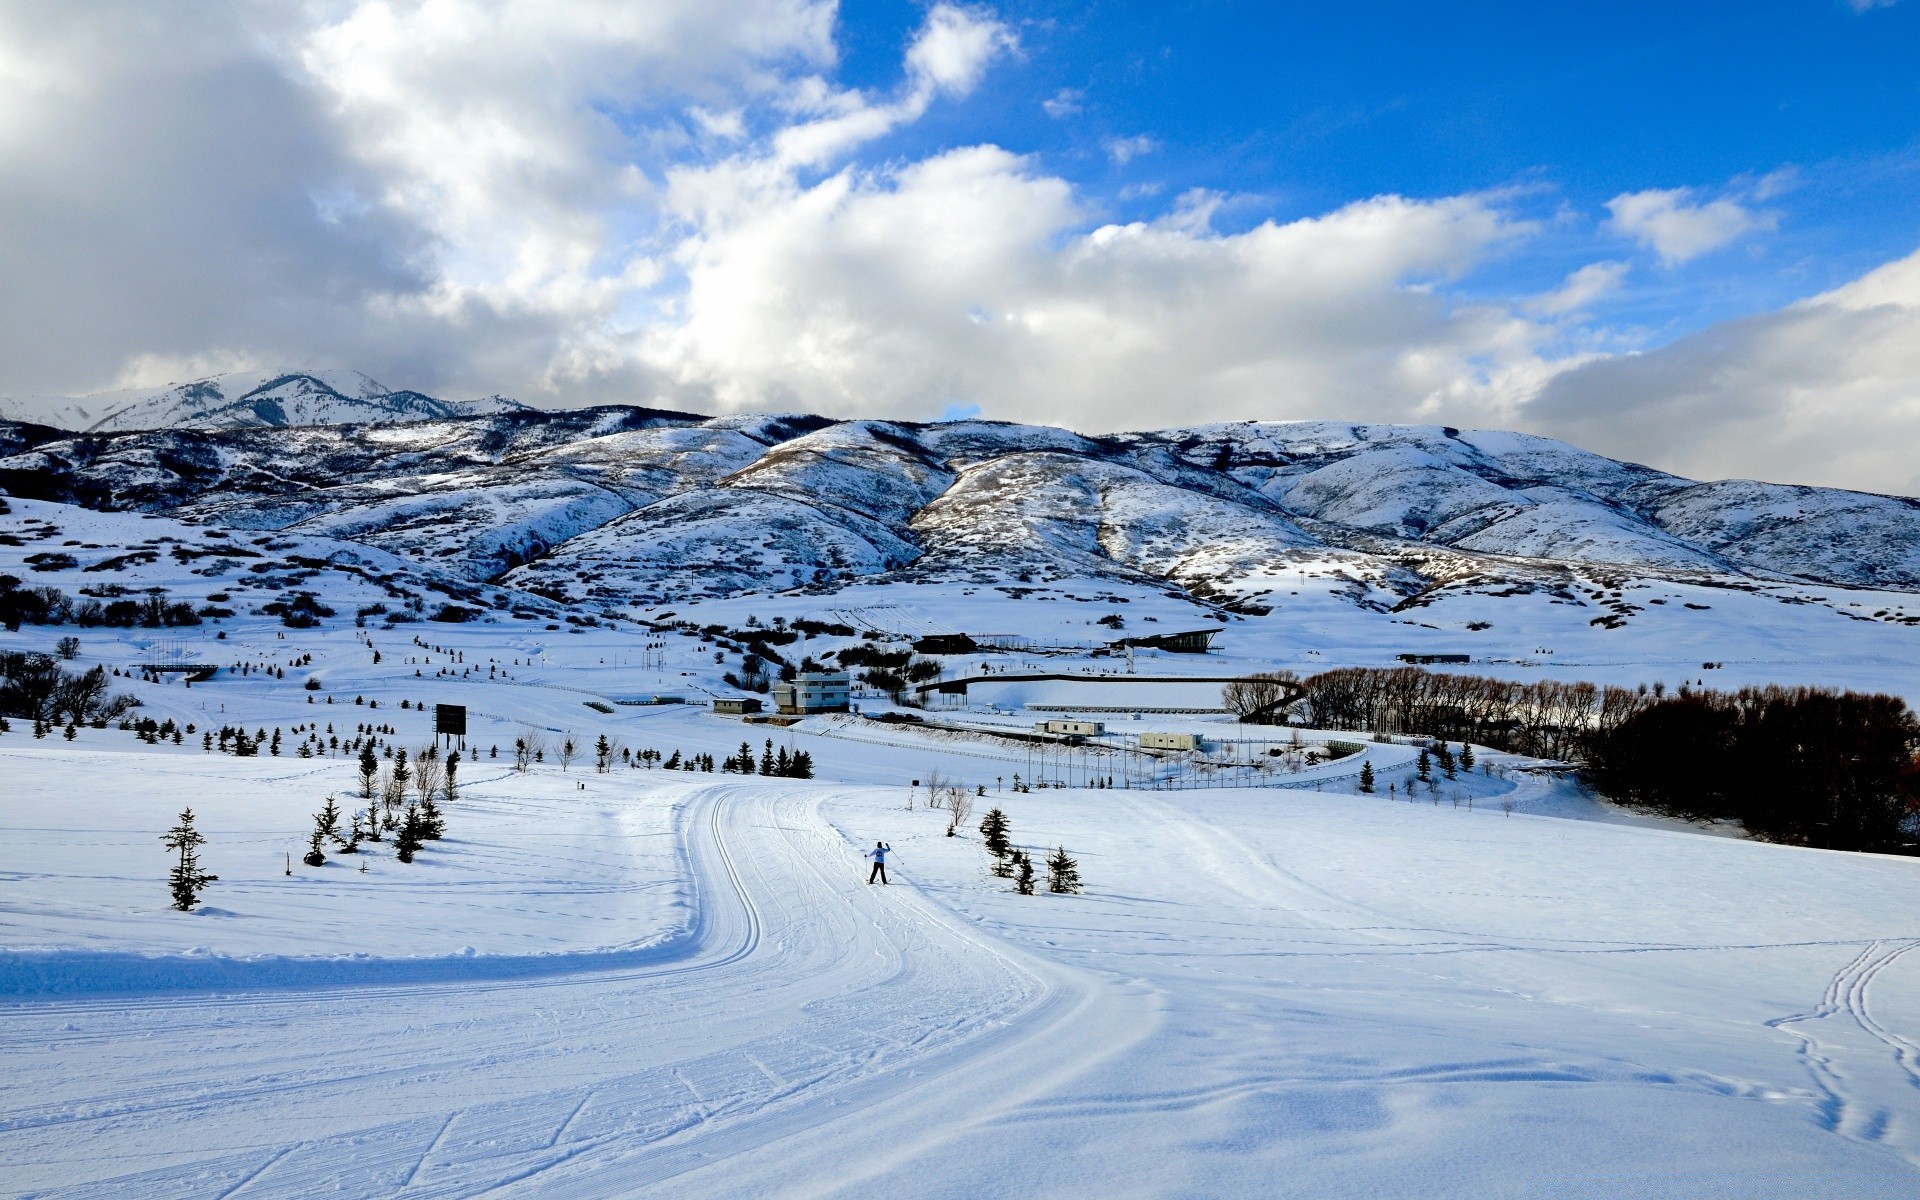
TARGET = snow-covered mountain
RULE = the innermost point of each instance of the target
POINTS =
(624, 506)
(247, 400)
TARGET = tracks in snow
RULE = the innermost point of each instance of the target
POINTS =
(798, 1002)
(1838, 1058)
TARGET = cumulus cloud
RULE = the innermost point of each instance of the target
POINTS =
(1826, 391)
(1674, 226)
(967, 278)
(441, 192)
(1125, 150)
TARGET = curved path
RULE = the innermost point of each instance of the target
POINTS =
(800, 1002)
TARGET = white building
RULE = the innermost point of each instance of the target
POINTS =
(814, 693)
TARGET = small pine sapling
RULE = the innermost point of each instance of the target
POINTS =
(1063, 873)
(369, 770)
(408, 841)
(1023, 873)
(315, 856)
(1366, 777)
(1466, 756)
(186, 880)
(1426, 764)
(433, 826)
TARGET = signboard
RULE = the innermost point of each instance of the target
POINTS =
(450, 719)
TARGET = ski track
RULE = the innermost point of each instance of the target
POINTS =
(1838, 1061)
(797, 999)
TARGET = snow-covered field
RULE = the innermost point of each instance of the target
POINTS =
(666, 983)
(653, 982)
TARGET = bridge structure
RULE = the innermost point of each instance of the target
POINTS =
(958, 687)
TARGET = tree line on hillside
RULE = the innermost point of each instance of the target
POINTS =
(36, 688)
(42, 605)
(1806, 766)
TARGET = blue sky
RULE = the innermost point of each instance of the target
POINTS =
(1295, 109)
(1680, 234)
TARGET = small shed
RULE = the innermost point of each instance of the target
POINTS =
(737, 706)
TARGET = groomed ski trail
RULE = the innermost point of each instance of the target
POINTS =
(802, 1023)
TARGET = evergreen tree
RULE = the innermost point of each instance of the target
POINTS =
(993, 834)
(186, 880)
(315, 856)
(1426, 764)
(327, 821)
(1445, 756)
(397, 780)
(673, 763)
(408, 842)
(766, 759)
(449, 789)
(433, 826)
(1023, 873)
(1366, 776)
(802, 765)
(369, 769)
(1466, 756)
(602, 754)
(779, 762)
(1063, 874)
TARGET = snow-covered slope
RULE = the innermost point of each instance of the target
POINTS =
(622, 506)
(244, 400)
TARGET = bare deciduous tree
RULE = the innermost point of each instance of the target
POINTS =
(528, 748)
(959, 804)
(429, 774)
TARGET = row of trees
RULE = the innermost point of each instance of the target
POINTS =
(776, 763)
(1806, 766)
(43, 605)
(1545, 719)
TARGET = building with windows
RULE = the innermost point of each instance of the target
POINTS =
(814, 692)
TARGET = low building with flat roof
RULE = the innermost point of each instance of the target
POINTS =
(737, 706)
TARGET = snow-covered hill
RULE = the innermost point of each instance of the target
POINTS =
(640, 510)
(247, 400)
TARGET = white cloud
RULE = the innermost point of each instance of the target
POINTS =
(1066, 102)
(970, 277)
(1825, 391)
(955, 45)
(1676, 228)
(1125, 150)
(1581, 288)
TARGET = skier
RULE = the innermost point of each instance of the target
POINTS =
(879, 856)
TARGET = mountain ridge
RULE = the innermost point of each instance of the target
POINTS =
(623, 505)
